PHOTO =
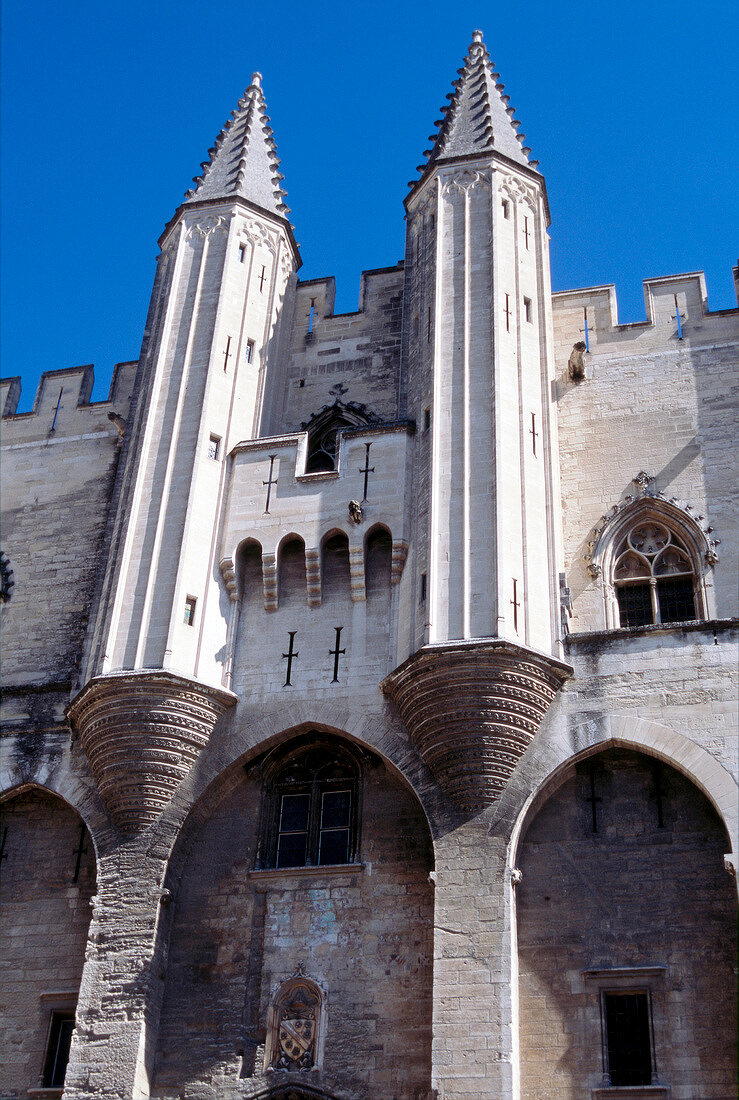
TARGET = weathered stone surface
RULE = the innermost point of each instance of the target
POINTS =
(472, 710)
(142, 732)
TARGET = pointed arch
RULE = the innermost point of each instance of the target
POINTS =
(629, 574)
(656, 740)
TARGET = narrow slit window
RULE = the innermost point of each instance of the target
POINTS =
(249, 350)
(301, 383)
(189, 616)
(427, 418)
(242, 253)
(506, 208)
(214, 447)
(57, 1049)
(423, 588)
(428, 325)
(527, 309)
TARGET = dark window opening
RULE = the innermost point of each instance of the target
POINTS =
(628, 1038)
(634, 605)
(527, 309)
(189, 616)
(57, 1050)
(242, 253)
(249, 350)
(426, 419)
(676, 600)
(423, 588)
(323, 430)
(312, 809)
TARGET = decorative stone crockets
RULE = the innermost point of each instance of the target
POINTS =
(142, 732)
(472, 709)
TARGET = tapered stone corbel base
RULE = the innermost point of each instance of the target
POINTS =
(142, 732)
(472, 709)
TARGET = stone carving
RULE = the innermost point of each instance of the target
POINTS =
(399, 554)
(7, 584)
(701, 532)
(269, 581)
(208, 225)
(228, 573)
(142, 732)
(294, 1023)
(356, 515)
(576, 364)
(119, 422)
(472, 710)
(465, 182)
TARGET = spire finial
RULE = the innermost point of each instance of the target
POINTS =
(244, 162)
(477, 36)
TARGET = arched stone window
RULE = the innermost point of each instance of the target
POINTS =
(653, 558)
(295, 1026)
(323, 429)
(653, 576)
(311, 806)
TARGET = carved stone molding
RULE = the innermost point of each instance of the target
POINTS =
(211, 223)
(465, 181)
(228, 572)
(399, 554)
(142, 732)
(646, 493)
(472, 710)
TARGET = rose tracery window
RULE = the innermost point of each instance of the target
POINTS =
(653, 577)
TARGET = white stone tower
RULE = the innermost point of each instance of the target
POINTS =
(222, 299)
(479, 365)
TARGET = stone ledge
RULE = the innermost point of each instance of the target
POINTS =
(594, 636)
(303, 872)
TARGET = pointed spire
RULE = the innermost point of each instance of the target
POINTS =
(243, 162)
(478, 118)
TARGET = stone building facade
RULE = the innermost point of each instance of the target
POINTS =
(369, 725)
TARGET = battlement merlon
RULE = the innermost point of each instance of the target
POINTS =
(661, 294)
(63, 398)
(373, 284)
(313, 504)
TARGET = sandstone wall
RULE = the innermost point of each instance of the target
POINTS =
(43, 927)
(632, 895)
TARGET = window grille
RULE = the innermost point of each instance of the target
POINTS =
(312, 809)
(653, 577)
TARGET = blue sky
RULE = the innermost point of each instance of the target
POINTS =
(108, 111)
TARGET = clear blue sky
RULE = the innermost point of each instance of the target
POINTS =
(108, 110)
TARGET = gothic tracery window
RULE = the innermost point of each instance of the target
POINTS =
(653, 576)
(312, 808)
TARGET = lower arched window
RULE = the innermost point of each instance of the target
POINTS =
(653, 577)
(312, 808)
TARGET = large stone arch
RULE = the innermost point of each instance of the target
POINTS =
(631, 902)
(542, 775)
(233, 933)
(49, 875)
(248, 733)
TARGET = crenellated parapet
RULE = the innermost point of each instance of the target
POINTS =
(676, 308)
(62, 403)
(142, 732)
(472, 710)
